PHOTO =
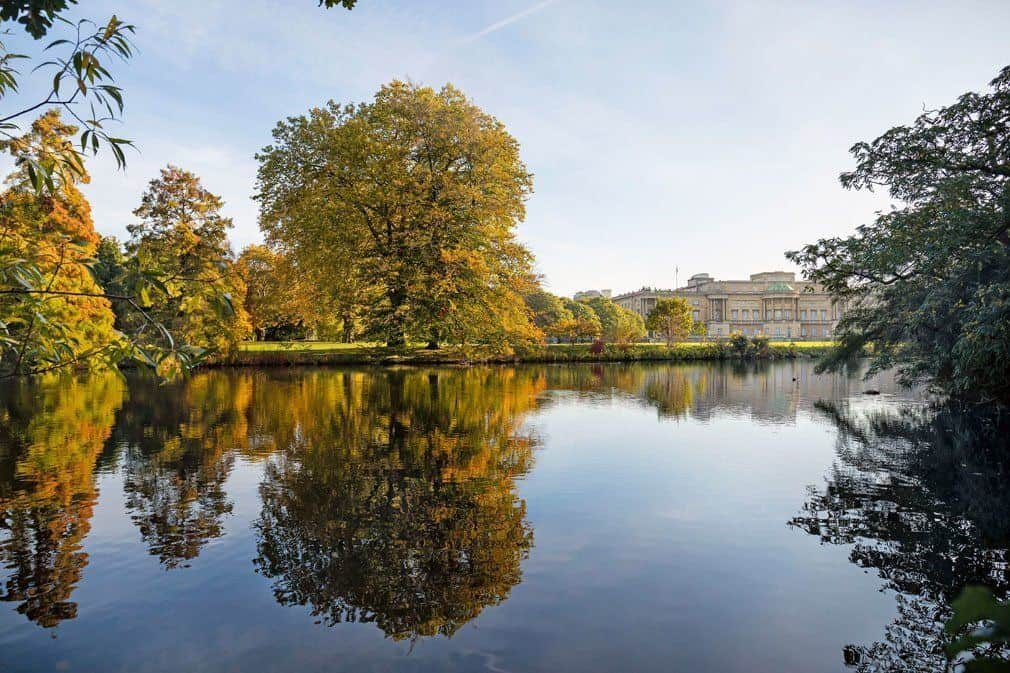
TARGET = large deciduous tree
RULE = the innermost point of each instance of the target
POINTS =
(928, 282)
(180, 231)
(412, 200)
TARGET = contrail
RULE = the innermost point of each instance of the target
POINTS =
(498, 25)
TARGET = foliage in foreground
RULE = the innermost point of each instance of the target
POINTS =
(982, 625)
(69, 299)
(928, 283)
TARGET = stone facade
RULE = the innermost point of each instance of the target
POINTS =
(589, 294)
(773, 304)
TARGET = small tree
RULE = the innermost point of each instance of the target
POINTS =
(617, 324)
(628, 327)
(274, 297)
(574, 329)
(672, 319)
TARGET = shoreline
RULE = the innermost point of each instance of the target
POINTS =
(263, 354)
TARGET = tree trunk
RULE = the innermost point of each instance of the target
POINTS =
(397, 335)
(433, 339)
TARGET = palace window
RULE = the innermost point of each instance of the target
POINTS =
(734, 314)
(778, 314)
(803, 330)
(803, 314)
(789, 314)
(824, 315)
(746, 314)
(694, 314)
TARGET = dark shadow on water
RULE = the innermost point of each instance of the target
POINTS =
(920, 493)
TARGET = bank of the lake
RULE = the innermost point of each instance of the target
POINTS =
(265, 353)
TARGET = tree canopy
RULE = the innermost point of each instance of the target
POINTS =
(927, 283)
(617, 324)
(414, 198)
(180, 231)
(52, 310)
(672, 319)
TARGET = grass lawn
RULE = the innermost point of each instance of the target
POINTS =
(371, 353)
(288, 346)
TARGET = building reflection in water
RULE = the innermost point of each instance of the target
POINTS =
(766, 393)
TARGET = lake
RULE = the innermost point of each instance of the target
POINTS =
(590, 518)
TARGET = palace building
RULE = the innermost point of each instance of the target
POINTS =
(773, 304)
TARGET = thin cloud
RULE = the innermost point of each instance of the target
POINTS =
(498, 25)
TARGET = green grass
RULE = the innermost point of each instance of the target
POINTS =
(289, 346)
(322, 352)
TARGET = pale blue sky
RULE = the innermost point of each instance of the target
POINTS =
(704, 135)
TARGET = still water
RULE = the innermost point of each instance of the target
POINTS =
(581, 518)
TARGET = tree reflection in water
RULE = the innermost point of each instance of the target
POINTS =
(392, 499)
(921, 496)
(388, 496)
(179, 444)
(51, 435)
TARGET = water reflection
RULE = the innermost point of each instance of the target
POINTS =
(51, 436)
(391, 496)
(397, 503)
(178, 444)
(764, 392)
(388, 496)
(920, 494)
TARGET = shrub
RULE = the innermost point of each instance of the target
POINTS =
(739, 343)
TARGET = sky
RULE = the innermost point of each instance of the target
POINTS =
(699, 136)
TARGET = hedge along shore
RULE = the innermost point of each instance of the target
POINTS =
(314, 353)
